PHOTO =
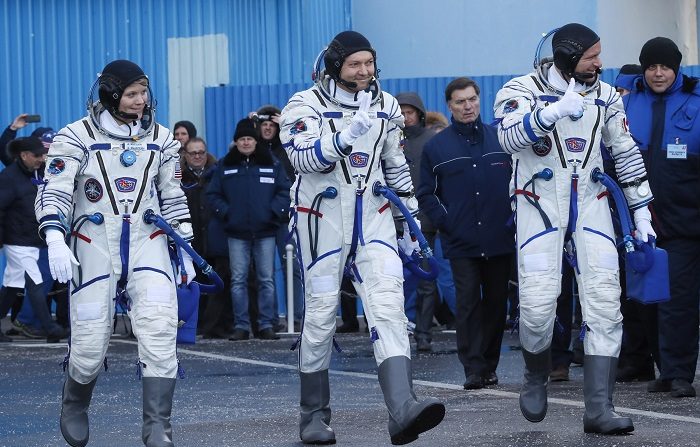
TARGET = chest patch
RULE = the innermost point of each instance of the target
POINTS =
(542, 147)
(93, 190)
(575, 144)
(510, 106)
(359, 159)
(125, 184)
(298, 127)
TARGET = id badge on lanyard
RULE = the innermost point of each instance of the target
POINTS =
(677, 151)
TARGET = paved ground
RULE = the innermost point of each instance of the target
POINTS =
(246, 394)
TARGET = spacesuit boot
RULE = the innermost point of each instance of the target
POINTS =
(598, 385)
(533, 394)
(157, 405)
(407, 417)
(75, 426)
(314, 409)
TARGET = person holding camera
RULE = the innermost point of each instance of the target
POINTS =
(10, 133)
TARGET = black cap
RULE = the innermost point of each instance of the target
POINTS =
(660, 50)
(342, 46)
(115, 78)
(569, 43)
(266, 112)
(246, 128)
(191, 130)
(29, 144)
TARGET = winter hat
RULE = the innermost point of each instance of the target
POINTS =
(114, 79)
(191, 130)
(411, 99)
(569, 43)
(265, 113)
(660, 50)
(39, 131)
(30, 144)
(342, 46)
(628, 73)
(246, 128)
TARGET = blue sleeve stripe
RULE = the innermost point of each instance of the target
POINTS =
(528, 127)
(319, 153)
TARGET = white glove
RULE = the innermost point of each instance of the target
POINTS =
(571, 104)
(189, 268)
(642, 221)
(360, 124)
(406, 243)
(60, 256)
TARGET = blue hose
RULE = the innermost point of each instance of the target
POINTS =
(412, 262)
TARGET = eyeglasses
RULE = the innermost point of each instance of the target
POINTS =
(196, 153)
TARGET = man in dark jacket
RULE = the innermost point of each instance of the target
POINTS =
(464, 191)
(249, 192)
(662, 111)
(415, 137)
(19, 232)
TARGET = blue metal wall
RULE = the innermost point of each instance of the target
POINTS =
(52, 49)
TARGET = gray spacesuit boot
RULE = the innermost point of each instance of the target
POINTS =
(407, 417)
(314, 409)
(533, 394)
(76, 398)
(157, 405)
(598, 384)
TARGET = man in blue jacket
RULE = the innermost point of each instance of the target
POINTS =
(249, 192)
(464, 191)
(662, 110)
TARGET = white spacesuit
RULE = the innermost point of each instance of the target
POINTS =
(101, 177)
(342, 140)
(554, 132)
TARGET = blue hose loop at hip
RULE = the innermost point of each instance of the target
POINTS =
(639, 255)
(151, 217)
(413, 262)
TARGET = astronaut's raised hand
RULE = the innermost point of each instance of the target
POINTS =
(571, 104)
(360, 123)
(642, 223)
(61, 258)
(189, 269)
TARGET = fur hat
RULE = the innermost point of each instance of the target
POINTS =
(246, 128)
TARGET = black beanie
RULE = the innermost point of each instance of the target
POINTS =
(660, 50)
(631, 69)
(569, 43)
(246, 128)
(191, 130)
(342, 46)
(265, 113)
(115, 78)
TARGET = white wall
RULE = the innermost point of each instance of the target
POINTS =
(427, 38)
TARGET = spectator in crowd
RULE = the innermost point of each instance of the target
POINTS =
(197, 168)
(415, 137)
(182, 132)
(464, 191)
(19, 233)
(436, 121)
(85, 176)
(346, 228)
(10, 133)
(249, 192)
(268, 118)
(556, 146)
(662, 108)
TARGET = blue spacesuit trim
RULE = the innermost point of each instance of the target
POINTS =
(325, 255)
(319, 152)
(528, 127)
(599, 233)
(538, 235)
(151, 269)
(377, 241)
(86, 284)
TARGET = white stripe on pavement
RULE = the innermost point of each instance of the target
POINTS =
(440, 385)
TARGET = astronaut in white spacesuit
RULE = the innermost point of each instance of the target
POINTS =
(553, 121)
(102, 174)
(342, 136)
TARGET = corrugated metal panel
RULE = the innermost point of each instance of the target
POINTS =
(53, 49)
(226, 105)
